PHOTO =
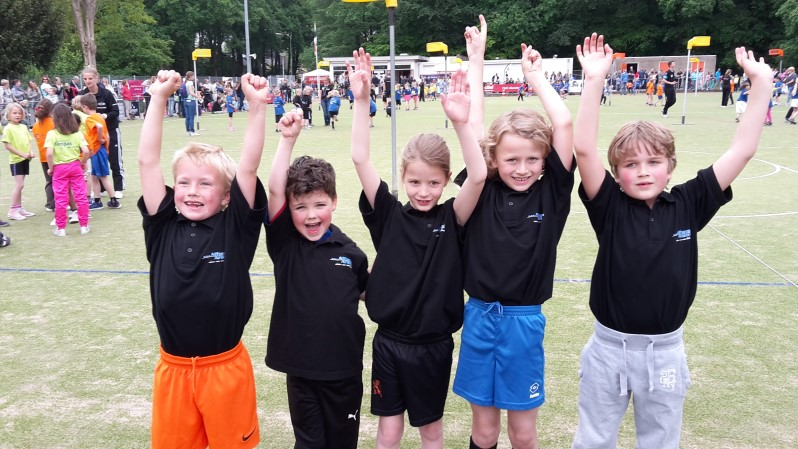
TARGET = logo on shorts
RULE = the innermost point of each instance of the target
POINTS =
(667, 379)
(247, 437)
(353, 416)
(533, 390)
(376, 388)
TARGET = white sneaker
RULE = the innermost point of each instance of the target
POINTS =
(59, 233)
(25, 212)
(52, 223)
(196, 133)
(73, 217)
(15, 215)
(84, 230)
(120, 194)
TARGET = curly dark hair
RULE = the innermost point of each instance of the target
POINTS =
(307, 174)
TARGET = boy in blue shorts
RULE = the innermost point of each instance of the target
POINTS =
(201, 238)
(645, 276)
(316, 336)
(97, 137)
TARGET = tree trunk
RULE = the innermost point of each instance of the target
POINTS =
(85, 11)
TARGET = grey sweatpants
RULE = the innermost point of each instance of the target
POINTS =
(653, 368)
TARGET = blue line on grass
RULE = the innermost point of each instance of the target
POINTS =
(573, 281)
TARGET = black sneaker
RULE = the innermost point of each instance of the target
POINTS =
(114, 204)
(3, 224)
(4, 240)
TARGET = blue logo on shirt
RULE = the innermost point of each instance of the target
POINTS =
(214, 257)
(681, 235)
(537, 217)
(342, 261)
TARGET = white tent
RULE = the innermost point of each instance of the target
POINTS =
(316, 74)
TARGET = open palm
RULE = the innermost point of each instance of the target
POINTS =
(595, 56)
(360, 74)
(457, 103)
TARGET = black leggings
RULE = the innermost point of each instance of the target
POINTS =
(670, 100)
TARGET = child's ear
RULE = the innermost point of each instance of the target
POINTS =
(226, 200)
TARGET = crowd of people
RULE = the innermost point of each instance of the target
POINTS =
(510, 211)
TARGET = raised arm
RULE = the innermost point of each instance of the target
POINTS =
(595, 57)
(256, 90)
(153, 189)
(476, 39)
(457, 106)
(746, 137)
(559, 115)
(291, 125)
(359, 78)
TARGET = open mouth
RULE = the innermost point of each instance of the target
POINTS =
(313, 228)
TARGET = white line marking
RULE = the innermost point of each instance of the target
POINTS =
(754, 257)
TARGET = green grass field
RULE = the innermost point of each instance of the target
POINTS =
(79, 343)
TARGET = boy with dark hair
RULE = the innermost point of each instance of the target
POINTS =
(645, 276)
(97, 137)
(316, 336)
(201, 238)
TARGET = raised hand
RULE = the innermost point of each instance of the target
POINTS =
(255, 88)
(166, 83)
(360, 74)
(531, 61)
(756, 70)
(476, 38)
(595, 57)
(291, 124)
(457, 103)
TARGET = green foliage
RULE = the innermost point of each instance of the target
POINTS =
(29, 35)
(126, 39)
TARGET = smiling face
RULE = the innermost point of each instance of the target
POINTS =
(312, 213)
(519, 162)
(423, 184)
(643, 174)
(90, 81)
(200, 190)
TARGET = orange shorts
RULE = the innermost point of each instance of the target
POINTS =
(202, 401)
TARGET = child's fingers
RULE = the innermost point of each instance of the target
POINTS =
(483, 26)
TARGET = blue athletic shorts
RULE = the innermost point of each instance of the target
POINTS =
(99, 163)
(501, 362)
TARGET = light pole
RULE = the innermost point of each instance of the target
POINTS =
(434, 47)
(696, 41)
(391, 5)
(198, 53)
(246, 34)
(284, 34)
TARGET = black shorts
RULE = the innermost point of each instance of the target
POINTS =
(333, 113)
(230, 114)
(20, 168)
(325, 413)
(372, 114)
(277, 118)
(306, 114)
(412, 377)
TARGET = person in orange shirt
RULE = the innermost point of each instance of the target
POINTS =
(43, 125)
(650, 92)
(97, 137)
(659, 94)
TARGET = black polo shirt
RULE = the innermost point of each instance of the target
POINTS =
(511, 238)
(671, 77)
(415, 291)
(315, 330)
(106, 104)
(199, 273)
(646, 271)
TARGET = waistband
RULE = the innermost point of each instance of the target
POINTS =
(496, 308)
(399, 338)
(197, 362)
(638, 342)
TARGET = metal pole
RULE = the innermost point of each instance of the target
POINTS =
(316, 51)
(686, 82)
(391, 24)
(446, 85)
(196, 102)
(246, 34)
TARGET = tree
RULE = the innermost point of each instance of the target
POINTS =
(85, 12)
(127, 40)
(29, 35)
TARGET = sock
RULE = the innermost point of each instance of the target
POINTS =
(471, 445)
(97, 200)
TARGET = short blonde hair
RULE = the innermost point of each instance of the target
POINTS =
(430, 149)
(656, 138)
(525, 123)
(203, 154)
(7, 111)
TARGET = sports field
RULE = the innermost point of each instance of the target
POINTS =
(78, 343)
